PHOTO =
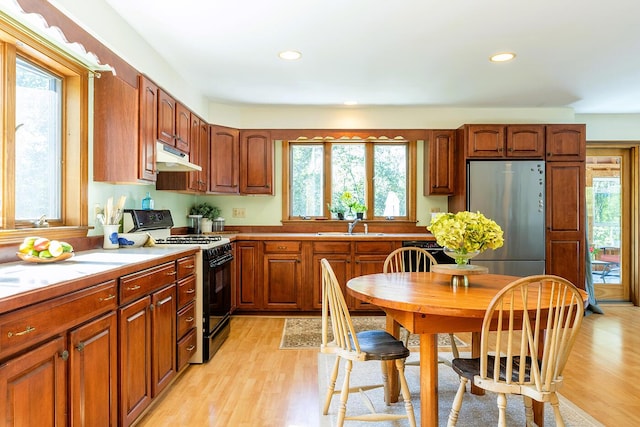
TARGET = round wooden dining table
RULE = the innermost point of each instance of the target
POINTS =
(427, 304)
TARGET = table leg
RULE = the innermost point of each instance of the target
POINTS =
(393, 328)
(429, 380)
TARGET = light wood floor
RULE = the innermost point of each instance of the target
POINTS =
(250, 382)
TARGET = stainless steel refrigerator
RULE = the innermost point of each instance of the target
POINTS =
(511, 192)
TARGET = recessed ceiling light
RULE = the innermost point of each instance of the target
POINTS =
(350, 102)
(290, 55)
(502, 57)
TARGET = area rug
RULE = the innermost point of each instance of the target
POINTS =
(306, 332)
(476, 410)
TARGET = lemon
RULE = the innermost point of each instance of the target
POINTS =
(45, 254)
(55, 248)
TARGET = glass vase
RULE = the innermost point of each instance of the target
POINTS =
(461, 258)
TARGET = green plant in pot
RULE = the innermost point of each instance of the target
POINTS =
(337, 209)
(359, 209)
(208, 213)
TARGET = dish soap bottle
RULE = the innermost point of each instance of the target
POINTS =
(147, 202)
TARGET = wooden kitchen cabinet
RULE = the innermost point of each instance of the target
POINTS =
(282, 273)
(499, 141)
(93, 372)
(224, 160)
(565, 214)
(440, 158)
(116, 152)
(369, 257)
(566, 143)
(163, 338)
(174, 122)
(248, 262)
(339, 256)
(148, 128)
(256, 162)
(33, 386)
(183, 129)
(186, 318)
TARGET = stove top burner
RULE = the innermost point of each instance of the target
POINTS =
(187, 239)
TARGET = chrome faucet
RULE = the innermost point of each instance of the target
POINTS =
(352, 225)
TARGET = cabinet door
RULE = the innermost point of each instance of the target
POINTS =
(224, 160)
(341, 265)
(440, 158)
(256, 162)
(199, 154)
(183, 128)
(163, 338)
(115, 130)
(166, 118)
(485, 140)
(93, 372)
(148, 101)
(33, 387)
(134, 328)
(525, 141)
(566, 143)
(282, 281)
(565, 221)
(248, 260)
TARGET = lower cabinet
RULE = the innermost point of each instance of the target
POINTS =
(147, 350)
(33, 387)
(282, 282)
(93, 372)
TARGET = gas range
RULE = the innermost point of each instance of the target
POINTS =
(204, 241)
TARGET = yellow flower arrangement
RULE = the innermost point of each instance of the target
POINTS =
(466, 232)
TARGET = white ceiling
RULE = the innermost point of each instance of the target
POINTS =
(583, 54)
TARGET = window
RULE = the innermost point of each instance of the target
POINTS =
(38, 137)
(45, 138)
(374, 174)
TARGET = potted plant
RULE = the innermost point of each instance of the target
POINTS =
(359, 209)
(208, 213)
(337, 209)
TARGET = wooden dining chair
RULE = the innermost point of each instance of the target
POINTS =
(414, 259)
(511, 360)
(352, 346)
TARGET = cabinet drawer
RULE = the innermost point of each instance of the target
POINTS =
(143, 282)
(186, 349)
(29, 325)
(332, 247)
(186, 266)
(282, 247)
(374, 247)
(186, 319)
(186, 291)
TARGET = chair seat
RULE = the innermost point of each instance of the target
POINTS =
(381, 345)
(469, 368)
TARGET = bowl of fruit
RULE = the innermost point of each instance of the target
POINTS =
(43, 250)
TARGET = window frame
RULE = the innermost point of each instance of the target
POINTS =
(369, 164)
(74, 155)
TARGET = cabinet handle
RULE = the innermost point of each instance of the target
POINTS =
(133, 288)
(511, 150)
(549, 154)
(171, 273)
(499, 150)
(164, 301)
(80, 346)
(282, 247)
(190, 291)
(190, 348)
(110, 297)
(28, 330)
(64, 355)
(189, 266)
(189, 319)
(267, 186)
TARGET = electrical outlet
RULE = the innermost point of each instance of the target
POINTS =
(238, 213)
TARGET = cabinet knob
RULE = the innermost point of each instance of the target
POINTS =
(64, 355)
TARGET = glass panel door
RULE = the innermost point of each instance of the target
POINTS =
(608, 198)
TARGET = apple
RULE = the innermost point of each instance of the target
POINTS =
(40, 244)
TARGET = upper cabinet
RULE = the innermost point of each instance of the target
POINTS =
(256, 162)
(566, 143)
(118, 156)
(439, 157)
(499, 141)
(224, 160)
(174, 122)
(148, 128)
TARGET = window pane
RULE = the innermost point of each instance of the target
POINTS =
(306, 180)
(348, 172)
(38, 143)
(390, 180)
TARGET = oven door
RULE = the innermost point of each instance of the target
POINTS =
(216, 293)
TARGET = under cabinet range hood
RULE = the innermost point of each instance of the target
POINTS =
(169, 159)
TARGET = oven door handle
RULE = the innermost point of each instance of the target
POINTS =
(220, 261)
